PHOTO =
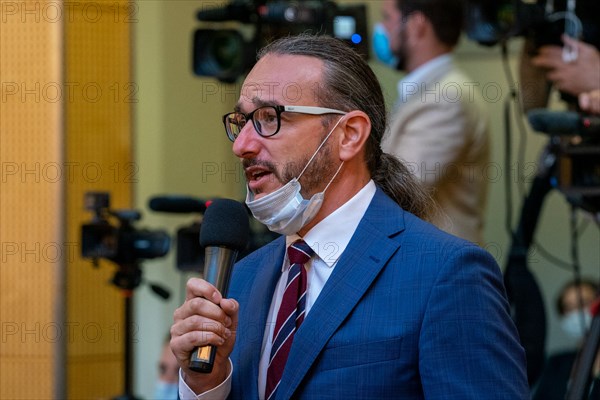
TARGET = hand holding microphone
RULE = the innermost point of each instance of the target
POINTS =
(204, 326)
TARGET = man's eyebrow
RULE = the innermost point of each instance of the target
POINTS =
(257, 104)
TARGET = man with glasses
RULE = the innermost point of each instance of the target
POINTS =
(361, 298)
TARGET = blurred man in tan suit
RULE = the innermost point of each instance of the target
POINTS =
(439, 126)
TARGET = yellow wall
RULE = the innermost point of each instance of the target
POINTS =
(31, 233)
(98, 137)
(65, 129)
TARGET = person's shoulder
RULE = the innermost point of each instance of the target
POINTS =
(456, 74)
(417, 229)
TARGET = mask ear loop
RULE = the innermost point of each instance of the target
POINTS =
(319, 148)
(332, 179)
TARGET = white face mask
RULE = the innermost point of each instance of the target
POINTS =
(285, 211)
(572, 322)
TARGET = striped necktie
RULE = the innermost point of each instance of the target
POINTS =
(289, 316)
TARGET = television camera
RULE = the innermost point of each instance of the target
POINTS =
(123, 243)
(226, 54)
(491, 22)
(190, 254)
(574, 151)
(570, 161)
(543, 22)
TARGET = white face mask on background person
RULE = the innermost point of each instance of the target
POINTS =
(165, 391)
(576, 323)
(285, 211)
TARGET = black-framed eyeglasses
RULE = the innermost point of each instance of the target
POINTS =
(267, 119)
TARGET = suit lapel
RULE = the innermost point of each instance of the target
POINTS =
(367, 253)
(265, 279)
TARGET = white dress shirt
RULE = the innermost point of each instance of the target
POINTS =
(328, 239)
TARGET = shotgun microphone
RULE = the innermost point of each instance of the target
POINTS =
(567, 123)
(224, 234)
(177, 204)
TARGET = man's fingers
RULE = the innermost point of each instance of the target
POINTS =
(199, 306)
(199, 323)
(183, 345)
(200, 288)
(548, 57)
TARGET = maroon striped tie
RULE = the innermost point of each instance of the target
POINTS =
(289, 316)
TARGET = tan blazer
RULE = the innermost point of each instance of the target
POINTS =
(441, 132)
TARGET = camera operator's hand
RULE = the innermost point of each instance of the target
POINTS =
(579, 76)
(590, 101)
(204, 318)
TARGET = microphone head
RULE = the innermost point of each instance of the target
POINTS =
(225, 224)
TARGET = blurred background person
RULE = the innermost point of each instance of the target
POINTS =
(573, 307)
(439, 124)
(168, 374)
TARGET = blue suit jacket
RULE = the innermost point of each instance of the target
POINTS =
(409, 312)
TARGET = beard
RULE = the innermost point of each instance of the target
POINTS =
(401, 57)
(317, 174)
(401, 52)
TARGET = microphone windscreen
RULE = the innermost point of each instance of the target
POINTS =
(554, 122)
(225, 224)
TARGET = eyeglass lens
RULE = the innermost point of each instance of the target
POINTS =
(265, 120)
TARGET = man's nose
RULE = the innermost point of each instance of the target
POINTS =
(247, 144)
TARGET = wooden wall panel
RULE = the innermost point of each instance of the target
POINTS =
(65, 128)
(31, 207)
(98, 143)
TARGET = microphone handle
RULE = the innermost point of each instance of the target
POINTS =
(217, 269)
(202, 359)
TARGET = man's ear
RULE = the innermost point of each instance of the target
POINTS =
(419, 23)
(356, 128)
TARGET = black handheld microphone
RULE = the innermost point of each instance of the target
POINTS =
(224, 233)
(177, 204)
(567, 123)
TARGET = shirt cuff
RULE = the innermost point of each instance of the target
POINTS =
(218, 393)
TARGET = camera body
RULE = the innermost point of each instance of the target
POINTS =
(491, 22)
(226, 54)
(121, 243)
(190, 254)
(575, 142)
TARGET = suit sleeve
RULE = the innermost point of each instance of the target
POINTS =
(468, 345)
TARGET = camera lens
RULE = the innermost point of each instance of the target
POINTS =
(218, 53)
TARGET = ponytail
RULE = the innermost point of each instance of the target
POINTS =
(399, 183)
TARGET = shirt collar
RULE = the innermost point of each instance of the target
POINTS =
(329, 238)
(418, 76)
